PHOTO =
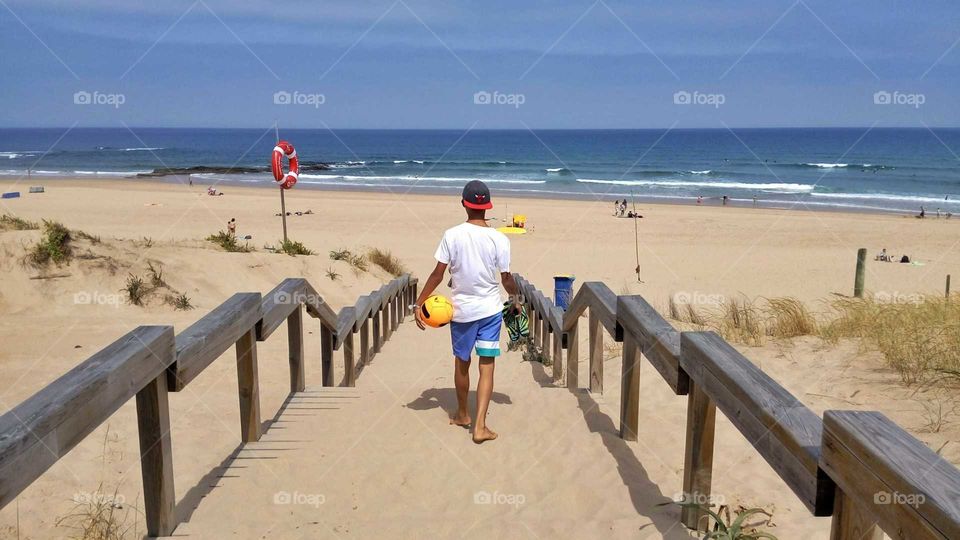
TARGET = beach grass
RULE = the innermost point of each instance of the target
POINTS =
(919, 339)
(53, 247)
(293, 248)
(387, 261)
(229, 242)
(11, 222)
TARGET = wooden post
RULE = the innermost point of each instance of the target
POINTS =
(573, 358)
(349, 367)
(596, 353)
(376, 334)
(249, 386)
(557, 356)
(630, 390)
(326, 355)
(396, 312)
(861, 269)
(545, 338)
(698, 457)
(850, 522)
(156, 457)
(535, 326)
(295, 346)
(364, 344)
(385, 323)
(946, 292)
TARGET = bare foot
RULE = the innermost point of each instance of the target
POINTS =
(483, 434)
(460, 420)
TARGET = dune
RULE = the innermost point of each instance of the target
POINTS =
(379, 459)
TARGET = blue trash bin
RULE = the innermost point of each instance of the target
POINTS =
(562, 290)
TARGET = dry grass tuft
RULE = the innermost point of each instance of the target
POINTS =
(386, 260)
(100, 516)
(14, 223)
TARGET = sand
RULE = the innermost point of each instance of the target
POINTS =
(411, 473)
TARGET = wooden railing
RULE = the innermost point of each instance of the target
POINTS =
(859, 467)
(150, 361)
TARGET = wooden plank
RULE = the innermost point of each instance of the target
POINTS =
(361, 311)
(782, 429)
(385, 325)
(596, 353)
(346, 320)
(557, 357)
(364, 346)
(910, 490)
(376, 334)
(545, 338)
(658, 340)
(349, 366)
(156, 457)
(698, 458)
(852, 522)
(42, 429)
(599, 299)
(248, 387)
(277, 305)
(317, 307)
(630, 390)
(295, 349)
(535, 324)
(326, 355)
(573, 358)
(205, 340)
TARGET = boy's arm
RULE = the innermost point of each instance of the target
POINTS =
(430, 285)
(506, 278)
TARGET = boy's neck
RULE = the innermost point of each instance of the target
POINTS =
(478, 218)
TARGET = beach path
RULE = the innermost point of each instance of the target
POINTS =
(381, 460)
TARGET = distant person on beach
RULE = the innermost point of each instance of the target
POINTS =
(923, 213)
(725, 199)
(882, 256)
(623, 208)
(475, 253)
(616, 207)
(699, 199)
(232, 226)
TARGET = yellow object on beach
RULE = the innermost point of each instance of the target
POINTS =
(520, 220)
(512, 230)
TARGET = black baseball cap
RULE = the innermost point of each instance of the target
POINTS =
(476, 195)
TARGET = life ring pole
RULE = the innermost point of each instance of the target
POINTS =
(283, 202)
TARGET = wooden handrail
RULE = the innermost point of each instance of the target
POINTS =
(42, 429)
(151, 361)
(859, 467)
(887, 478)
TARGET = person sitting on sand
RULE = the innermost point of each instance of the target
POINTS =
(232, 226)
(882, 256)
(475, 253)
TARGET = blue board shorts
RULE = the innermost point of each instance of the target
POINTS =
(482, 335)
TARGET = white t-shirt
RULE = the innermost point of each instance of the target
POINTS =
(475, 256)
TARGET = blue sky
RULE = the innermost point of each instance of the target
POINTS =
(419, 64)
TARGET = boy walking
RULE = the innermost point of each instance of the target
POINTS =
(475, 254)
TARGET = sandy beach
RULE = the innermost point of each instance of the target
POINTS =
(54, 319)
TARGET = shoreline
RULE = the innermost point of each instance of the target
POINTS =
(508, 193)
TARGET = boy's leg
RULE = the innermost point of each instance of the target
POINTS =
(463, 336)
(461, 379)
(484, 391)
(488, 348)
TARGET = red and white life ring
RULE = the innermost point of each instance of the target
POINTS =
(284, 148)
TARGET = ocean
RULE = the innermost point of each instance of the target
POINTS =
(881, 169)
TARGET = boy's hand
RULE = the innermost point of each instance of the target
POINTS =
(417, 314)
